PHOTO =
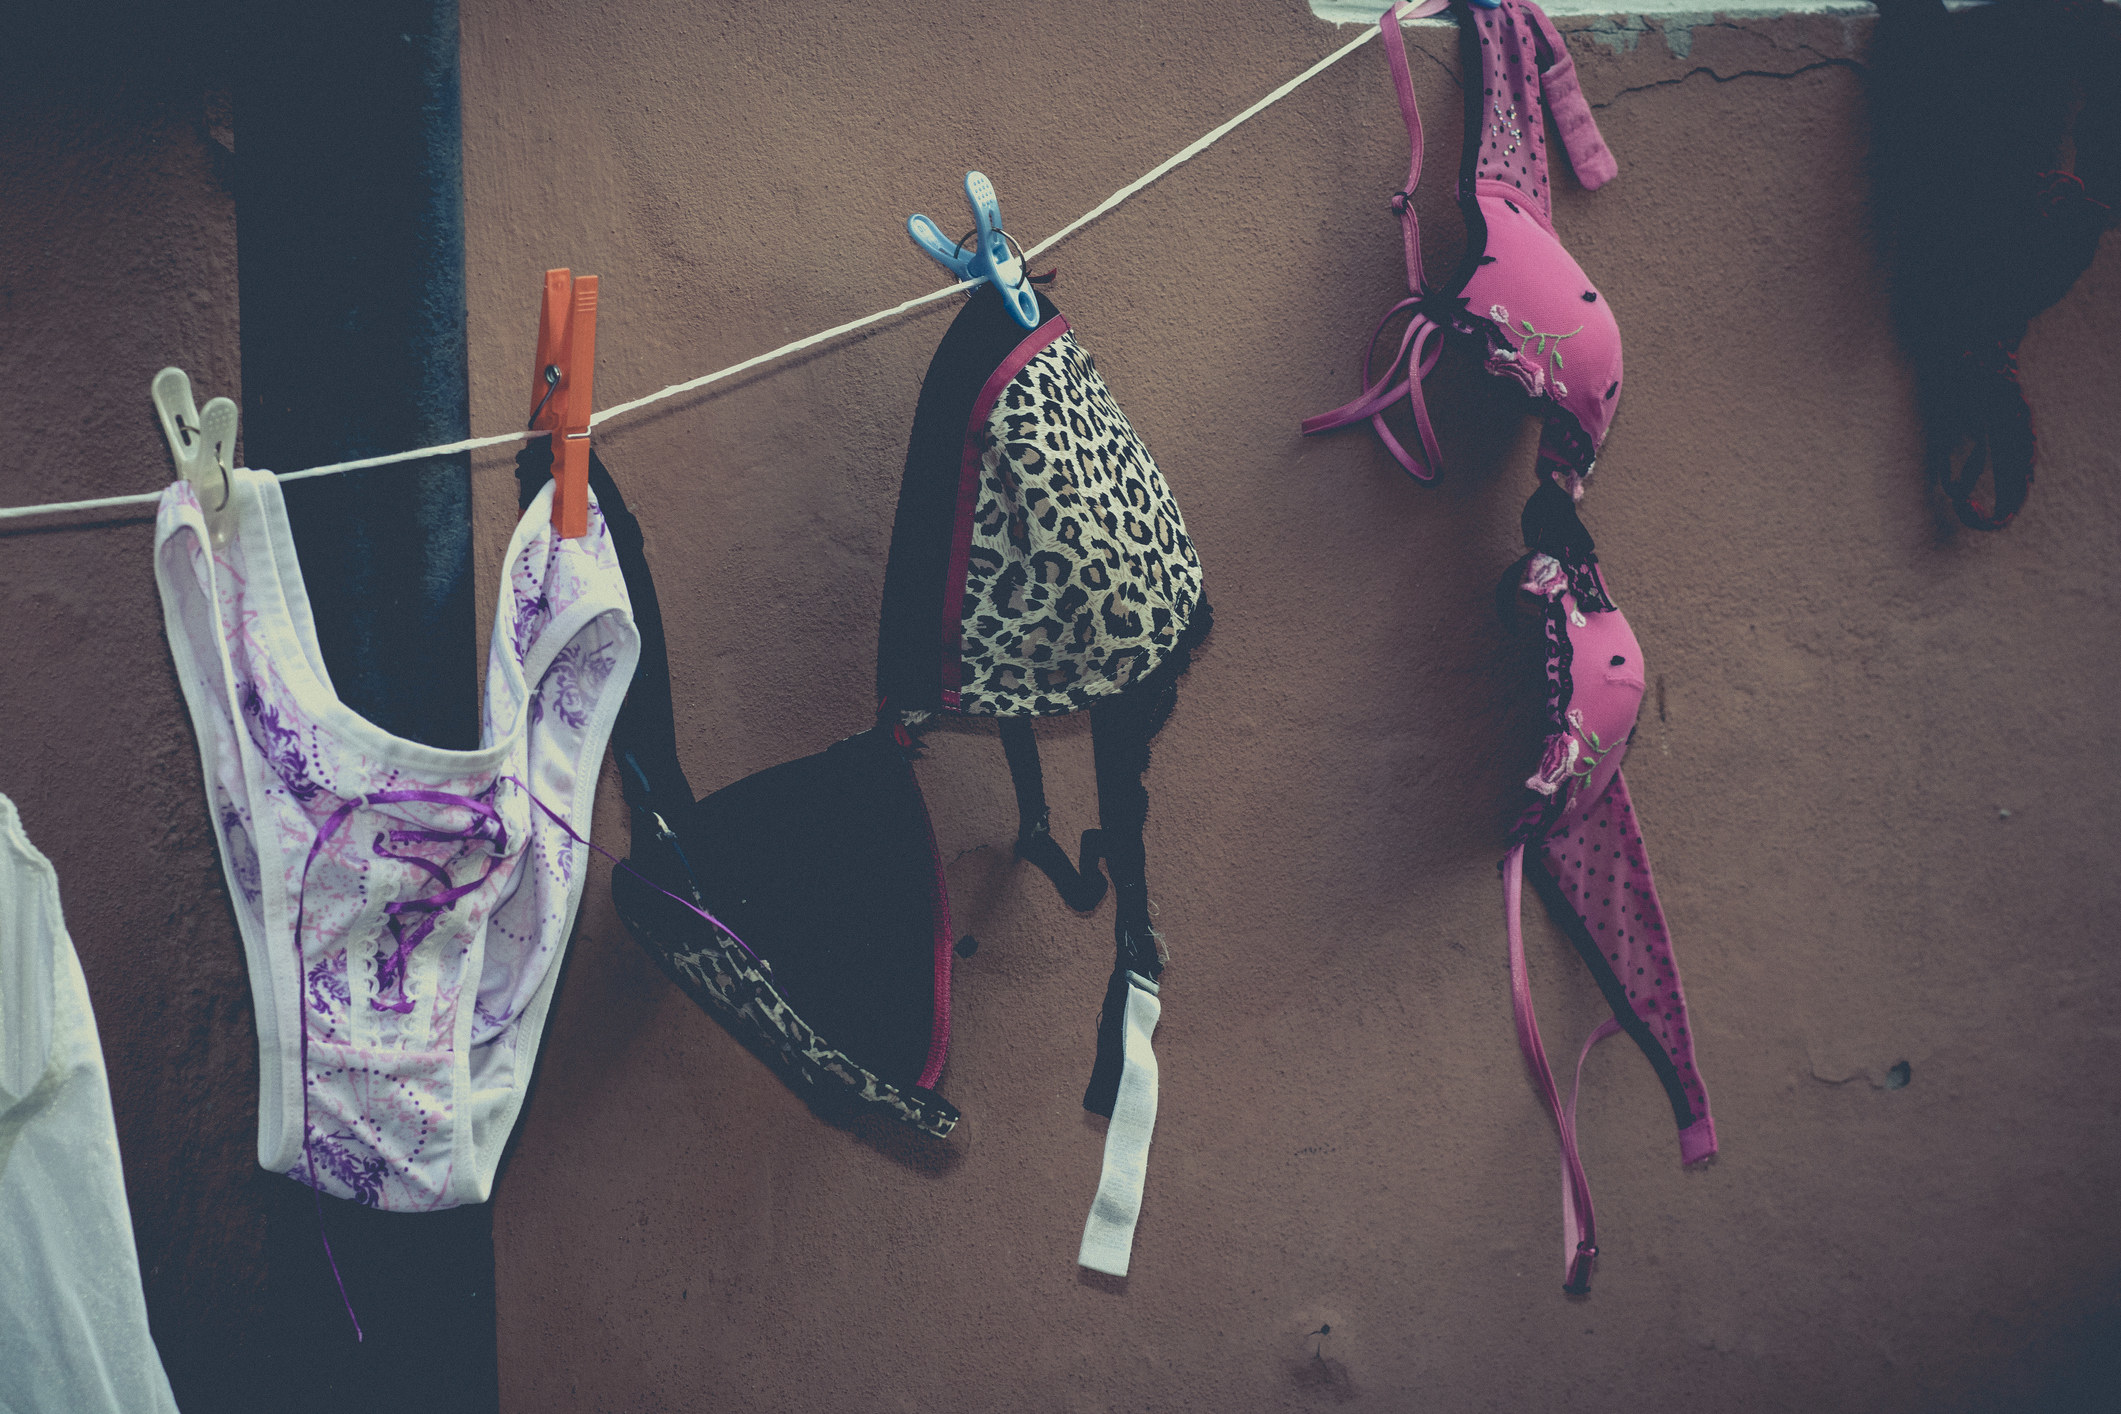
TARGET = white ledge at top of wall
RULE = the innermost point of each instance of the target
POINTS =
(1357, 12)
(1621, 24)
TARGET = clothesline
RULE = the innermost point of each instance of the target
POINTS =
(473, 444)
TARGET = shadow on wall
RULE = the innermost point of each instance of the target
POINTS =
(2078, 1369)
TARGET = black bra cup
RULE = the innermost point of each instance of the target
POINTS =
(825, 867)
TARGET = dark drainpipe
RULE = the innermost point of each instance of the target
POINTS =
(350, 250)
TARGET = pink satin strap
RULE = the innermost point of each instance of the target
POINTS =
(1403, 86)
(1419, 349)
(1579, 1221)
(1421, 345)
(1579, 1241)
(1588, 154)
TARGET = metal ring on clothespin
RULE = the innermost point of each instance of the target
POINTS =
(227, 482)
(1022, 259)
(552, 385)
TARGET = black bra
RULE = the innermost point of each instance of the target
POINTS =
(833, 961)
(1984, 232)
(1038, 566)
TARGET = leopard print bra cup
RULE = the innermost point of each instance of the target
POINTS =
(1039, 563)
(1039, 566)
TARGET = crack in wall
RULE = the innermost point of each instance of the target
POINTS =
(1679, 40)
(1732, 77)
(1448, 67)
(1365, 12)
(1624, 32)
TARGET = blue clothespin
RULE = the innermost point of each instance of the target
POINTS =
(990, 257)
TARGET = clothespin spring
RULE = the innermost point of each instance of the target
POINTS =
(552, 385)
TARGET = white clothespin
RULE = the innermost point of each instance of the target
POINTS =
(201, 443)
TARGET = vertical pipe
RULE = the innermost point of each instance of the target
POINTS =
(350, 254)
(350, 268)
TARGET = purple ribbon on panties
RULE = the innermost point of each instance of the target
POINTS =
(488, 828)
(688, 904)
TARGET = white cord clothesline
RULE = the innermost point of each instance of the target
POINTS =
(473, 444)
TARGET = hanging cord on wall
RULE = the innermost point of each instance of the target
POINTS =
(474, 444)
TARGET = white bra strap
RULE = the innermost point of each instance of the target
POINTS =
(1108, 1236)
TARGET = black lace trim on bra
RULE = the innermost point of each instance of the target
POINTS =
(1565, 449)
(1553, 528)
(1542, 811)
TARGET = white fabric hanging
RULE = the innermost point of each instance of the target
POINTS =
(1108, 1233)
(393, 1077)
(73, 1320)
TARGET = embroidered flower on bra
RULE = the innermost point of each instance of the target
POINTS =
(1506, 362)
(1544, 576)
(1557, 765)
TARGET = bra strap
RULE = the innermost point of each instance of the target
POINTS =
(1108, 1233)
(1403, 87)
(1975, 402)
(1588, 155)
(1419, 349)
(1081, 886)
(644, 738)
(1422, 342)
(1579, 1222)
(1123, 1078)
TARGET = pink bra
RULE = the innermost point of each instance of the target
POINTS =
(1537, 315)
(1589, 865)
(1541, 322)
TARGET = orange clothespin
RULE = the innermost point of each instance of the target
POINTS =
(562, 382)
